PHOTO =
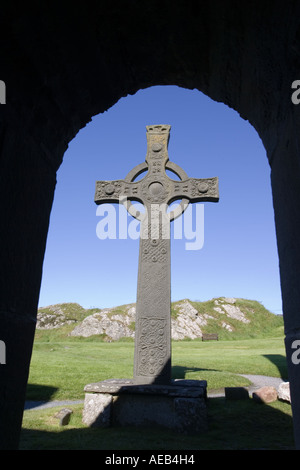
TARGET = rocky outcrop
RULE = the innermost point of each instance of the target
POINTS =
(226, 306)
(188, 322)
(115, 323)
(56, 316)
(103, 323)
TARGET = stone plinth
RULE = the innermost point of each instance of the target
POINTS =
(180, 406)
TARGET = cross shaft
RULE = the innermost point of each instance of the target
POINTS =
(152, 359)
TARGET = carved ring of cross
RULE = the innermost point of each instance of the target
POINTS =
(141, 168)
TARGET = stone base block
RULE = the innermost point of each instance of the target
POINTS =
(180, 406)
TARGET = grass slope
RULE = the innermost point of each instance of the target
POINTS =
(262, 322)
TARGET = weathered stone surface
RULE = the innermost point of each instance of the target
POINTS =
(230, 300)
(188, 322)
(64, 416)
(265, 395)
(226, 326)
(182, 388)
(183, 415)
(180, 407)
(284, 392)
(97, 410)
(191, 415)
(135, 410)
(99, 323)
(232, 311)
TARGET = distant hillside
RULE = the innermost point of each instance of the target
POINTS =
(230, 318)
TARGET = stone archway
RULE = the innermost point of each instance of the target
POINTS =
(63, 66)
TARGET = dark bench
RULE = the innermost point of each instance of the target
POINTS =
(209, 337)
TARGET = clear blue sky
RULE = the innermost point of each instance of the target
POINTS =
(239, 256)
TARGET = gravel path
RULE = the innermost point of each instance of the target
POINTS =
(39, 405)
(262, 380)
(257, 381)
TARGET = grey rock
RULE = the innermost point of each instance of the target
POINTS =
(266, 394)
(284, 393)
(64, 416)
(115, 327)
(188, 323)
(235, 313)
(218, 309)
(229, 300)
(226, 326)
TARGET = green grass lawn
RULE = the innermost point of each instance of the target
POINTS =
(61, 366)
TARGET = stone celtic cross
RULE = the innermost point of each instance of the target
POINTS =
(152, 357)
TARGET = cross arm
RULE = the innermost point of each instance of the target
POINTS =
(115, 191)
(197, 190)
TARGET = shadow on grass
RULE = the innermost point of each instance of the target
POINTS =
(280, 362)
(40, 392)
(179, 372)
(232, 425)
